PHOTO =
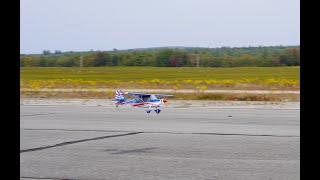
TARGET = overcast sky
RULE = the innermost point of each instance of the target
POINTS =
(83, 25)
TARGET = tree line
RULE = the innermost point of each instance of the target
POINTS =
(169, 57)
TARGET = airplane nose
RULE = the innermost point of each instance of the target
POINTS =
(164, 100)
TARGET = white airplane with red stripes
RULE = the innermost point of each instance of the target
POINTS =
(141, 100)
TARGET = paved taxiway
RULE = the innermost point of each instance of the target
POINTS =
(81, 142)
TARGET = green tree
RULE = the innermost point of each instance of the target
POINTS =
(163, 57)
(246, 60)
(115, 60)
(46, 52)
(29, 61)
(57, 52)
(64, 62)
(97, 59)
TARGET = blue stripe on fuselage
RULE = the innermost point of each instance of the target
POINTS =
(154, 100)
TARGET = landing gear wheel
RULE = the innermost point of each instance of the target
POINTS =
(157, 111)
(148, 111)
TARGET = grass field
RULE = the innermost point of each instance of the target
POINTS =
(274, 78)
(164, 73)
(180, 96)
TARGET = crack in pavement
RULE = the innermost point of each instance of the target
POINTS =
(72, 130)
(36, 114)
(27, 177)
(165, 132)
(78, 141)
(236, 134)
(141, 150)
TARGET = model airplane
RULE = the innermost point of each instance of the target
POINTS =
(141, 100)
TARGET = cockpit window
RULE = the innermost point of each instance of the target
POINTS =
(145, 98)
(153, 97)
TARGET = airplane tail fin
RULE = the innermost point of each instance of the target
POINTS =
(119, 96)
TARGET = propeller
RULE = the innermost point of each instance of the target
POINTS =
(162, 101)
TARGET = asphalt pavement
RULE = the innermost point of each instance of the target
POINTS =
(96, 142)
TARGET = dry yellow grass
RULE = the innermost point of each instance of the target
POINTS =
(186, 96)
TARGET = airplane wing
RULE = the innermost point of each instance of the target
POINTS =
(163, 95)
(138, 94)
(143, 94)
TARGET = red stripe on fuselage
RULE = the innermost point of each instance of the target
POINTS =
(138, 104)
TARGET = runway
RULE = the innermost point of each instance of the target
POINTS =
(96, 142)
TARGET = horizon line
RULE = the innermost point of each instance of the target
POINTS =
(159, 47)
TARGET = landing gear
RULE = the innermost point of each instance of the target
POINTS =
(157, 111)
(149, 109)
